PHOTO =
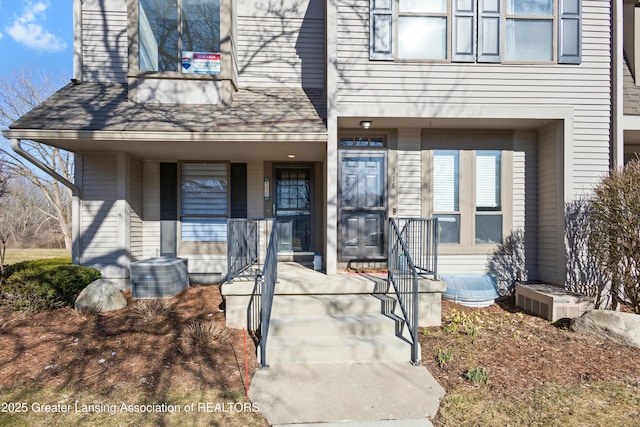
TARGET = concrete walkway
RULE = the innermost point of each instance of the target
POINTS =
(367, 395)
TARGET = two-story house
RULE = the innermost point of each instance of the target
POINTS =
(331, 116)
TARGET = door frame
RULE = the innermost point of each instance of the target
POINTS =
(351, 152)
(312, 208)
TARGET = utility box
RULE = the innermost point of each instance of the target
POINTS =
(552, 302)
(158, 277)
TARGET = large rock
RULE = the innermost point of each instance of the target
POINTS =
(623, 328)
(100, 295)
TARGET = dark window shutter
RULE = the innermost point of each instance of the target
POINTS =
(238, 187)
(464, 31)
(489, 31)
(570, 32)
(381, 30)
(168, 208)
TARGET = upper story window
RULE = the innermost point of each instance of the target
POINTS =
(179, 36)
(476, 30)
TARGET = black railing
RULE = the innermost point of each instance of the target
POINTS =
(259, 309)
(242, 247)
(421, 237)
(403, 273)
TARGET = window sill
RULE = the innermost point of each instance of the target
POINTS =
(458, 249)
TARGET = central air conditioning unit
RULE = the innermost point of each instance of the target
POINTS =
(158, 277)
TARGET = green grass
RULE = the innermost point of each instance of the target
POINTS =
(17, 255)
(599, 404)
(125, 408)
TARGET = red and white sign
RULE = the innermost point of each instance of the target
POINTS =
(200, 63)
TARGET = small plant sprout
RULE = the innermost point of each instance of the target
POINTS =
(444, 357)
(477, 376)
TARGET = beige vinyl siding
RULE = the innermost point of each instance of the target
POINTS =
(525, 194)
(549, 192)
(462, 264)
(100, 219)
(281, 44)
(409, 173)
(462, 89)
(255, 190)
(136, 212)
(104, 40)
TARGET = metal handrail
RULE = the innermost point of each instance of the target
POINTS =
(267, 279)
(403, 273)
(242, 247)
(421, 237)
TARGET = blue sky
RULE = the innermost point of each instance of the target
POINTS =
(38, 34)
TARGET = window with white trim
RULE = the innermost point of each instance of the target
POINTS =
(446, 194)
(476, 30)
(179, 36)
(204, 203)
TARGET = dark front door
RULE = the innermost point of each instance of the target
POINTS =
(293, 208)
(362, 205)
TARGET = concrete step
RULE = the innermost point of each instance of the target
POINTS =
(336, 349)
(361, 325)
(325, 304)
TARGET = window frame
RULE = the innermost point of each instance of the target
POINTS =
(227, 40)
(182, 216)
(563, 19)
(468, 143)
(407, 14)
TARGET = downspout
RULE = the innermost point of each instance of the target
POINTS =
(16, 145)
(617, 92)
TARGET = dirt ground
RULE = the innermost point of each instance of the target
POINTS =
(119, 351)
(519, 351)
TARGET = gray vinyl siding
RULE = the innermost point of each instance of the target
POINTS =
(100, 219)
(409, 177)
(548, 187)
(136, 212)
(525, 195)
(151, 209)
(281, 45)
(422, 86)
(104, 40)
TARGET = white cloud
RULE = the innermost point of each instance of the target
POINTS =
(28, 29)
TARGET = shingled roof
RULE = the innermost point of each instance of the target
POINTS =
(105, 107)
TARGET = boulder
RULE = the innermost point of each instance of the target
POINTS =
(623, 328)
(100, 295)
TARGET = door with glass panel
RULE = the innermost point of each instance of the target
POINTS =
(293, 209)
(362, 205)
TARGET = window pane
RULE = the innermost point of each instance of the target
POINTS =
(446, 180)
(422, 37)
(201, 25)
(204, 189)
(204, 230)
(430, 6)
(521, 46)
(488, 228)
(488, 180)
(448, 228)
(158, 35)
(530, 7)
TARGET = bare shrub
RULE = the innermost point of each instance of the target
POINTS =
(507, 263)
(152, 309)
(199, 334)
(615, 232)
(583, 274)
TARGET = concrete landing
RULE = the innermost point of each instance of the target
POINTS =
(338, 393)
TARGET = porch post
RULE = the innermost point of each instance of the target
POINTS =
(331, 160)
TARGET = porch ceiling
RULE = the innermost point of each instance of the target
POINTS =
(99, 117)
